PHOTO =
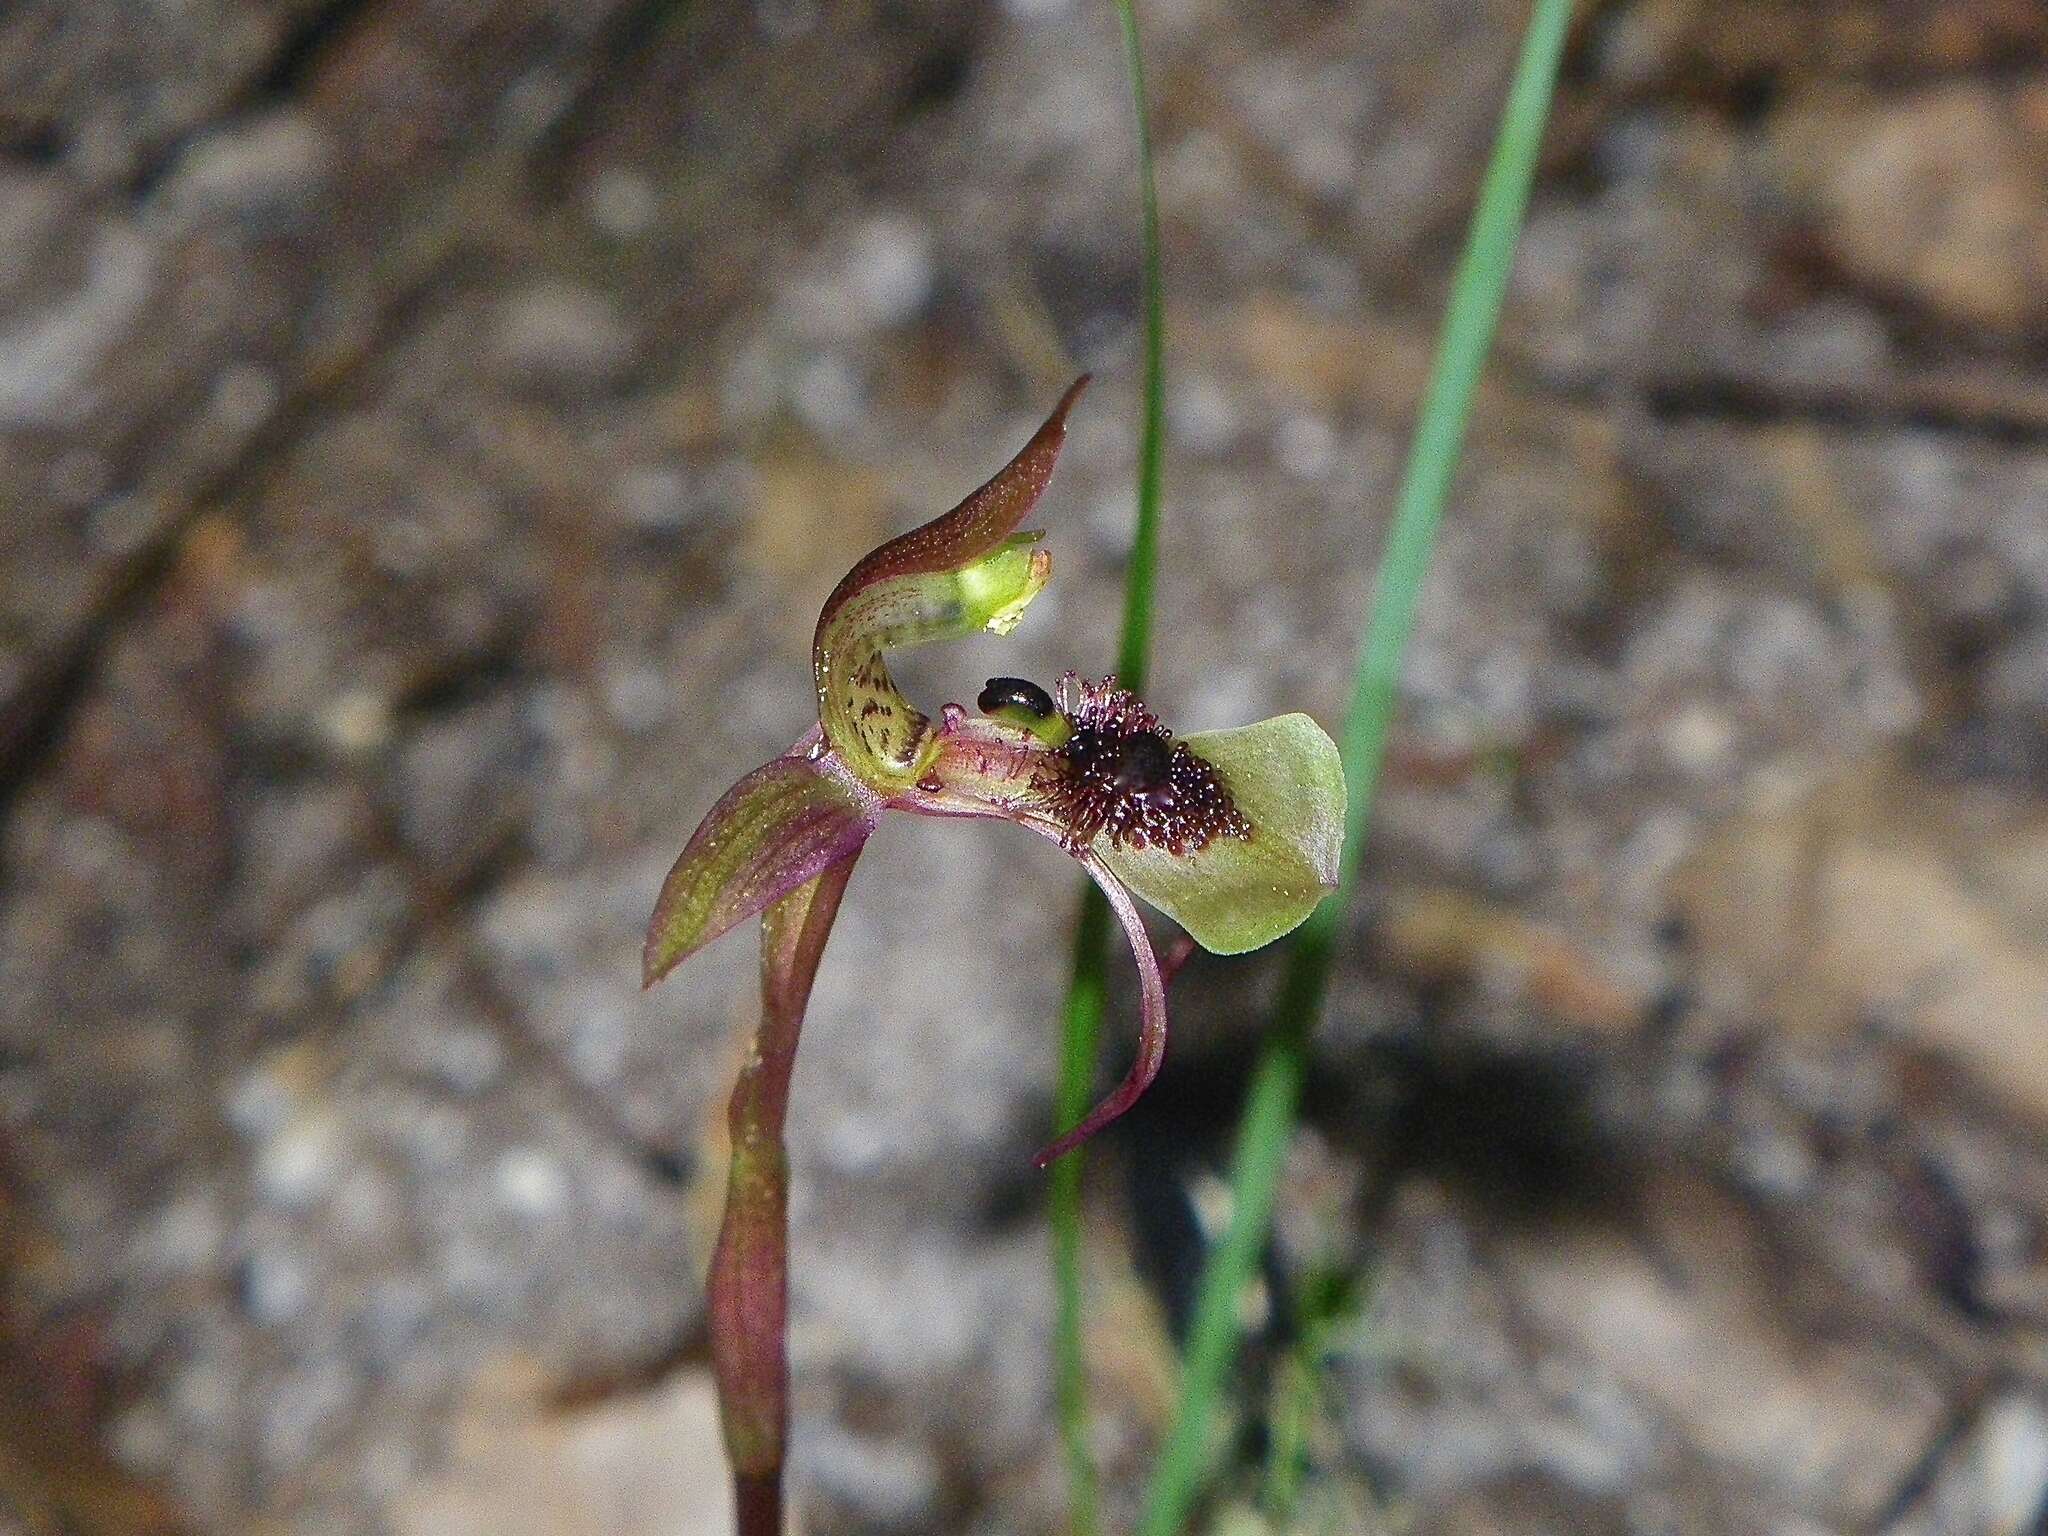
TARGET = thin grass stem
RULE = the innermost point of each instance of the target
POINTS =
(1274, 1098)
(1081, 1018)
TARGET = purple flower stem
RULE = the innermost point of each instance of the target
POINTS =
(749, 1281)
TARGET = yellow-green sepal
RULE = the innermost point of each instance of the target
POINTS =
(965, 570)
(871, 726)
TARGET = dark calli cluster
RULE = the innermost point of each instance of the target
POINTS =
(1122, 774)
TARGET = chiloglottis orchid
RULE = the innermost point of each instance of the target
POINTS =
(1234, 834)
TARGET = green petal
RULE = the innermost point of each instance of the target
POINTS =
(778, 827)
(1237, 894)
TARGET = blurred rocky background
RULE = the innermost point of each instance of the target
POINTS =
(427, 430)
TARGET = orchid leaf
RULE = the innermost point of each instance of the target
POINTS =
(964, 571)
(1237, 894)
(778, 827)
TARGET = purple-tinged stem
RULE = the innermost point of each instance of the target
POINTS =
(749, 1281)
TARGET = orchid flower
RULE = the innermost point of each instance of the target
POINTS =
(1234, 834)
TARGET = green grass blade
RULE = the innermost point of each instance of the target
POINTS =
(1081, 1018)
(1134, 648)
(1081, 1022)
(1275, 1094)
